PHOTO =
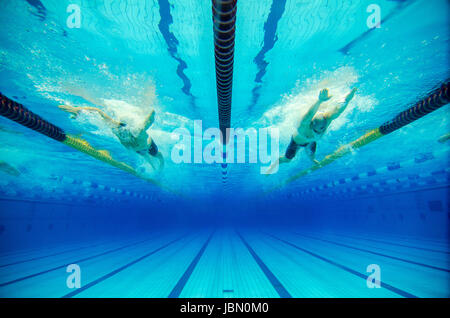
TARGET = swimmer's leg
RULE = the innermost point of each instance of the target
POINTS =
(444, 138)
(149, 159)
(284, 159)
(274, 166)
(311, 151)
(7, 168)
(290, 153)
(161, 160)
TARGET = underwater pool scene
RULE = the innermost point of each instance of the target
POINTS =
(224, 149)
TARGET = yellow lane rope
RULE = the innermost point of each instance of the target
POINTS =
(103, 155)
(370, 136)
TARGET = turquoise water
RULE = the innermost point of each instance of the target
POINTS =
(385, 204)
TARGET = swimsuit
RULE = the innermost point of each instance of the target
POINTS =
(153, 150)
(294, 147)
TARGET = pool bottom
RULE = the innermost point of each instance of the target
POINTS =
(232, 262)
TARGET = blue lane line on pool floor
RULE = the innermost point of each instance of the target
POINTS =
(118, 270)
(176, 291)
(376, 253)
(392, 243)
(49, 255)
(270, 276)
(345, 268)
(73, 262)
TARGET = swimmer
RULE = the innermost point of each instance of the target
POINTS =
(141, 143)
(7, 168)
(311, 128)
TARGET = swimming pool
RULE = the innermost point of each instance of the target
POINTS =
(210, 224)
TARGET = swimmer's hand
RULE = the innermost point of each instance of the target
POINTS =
(323, 95)
(350, 95)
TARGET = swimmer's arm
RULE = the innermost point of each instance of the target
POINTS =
(76, 110)
(337, 111)
(70, 109)
(147, 123)
(6, 167)
(104, 115)
(149, 120)
(323, 97)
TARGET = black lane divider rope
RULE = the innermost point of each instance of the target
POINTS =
(345, 268)
(438, 98)
(280, 289)
(118, 270)
(176, 291)
(392, 243)
(49, 255)
(73, 262)
(224, 25)
(22, 115)
(376, 253)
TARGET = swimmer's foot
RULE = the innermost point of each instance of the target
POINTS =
(7, 168)
(272, 167)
